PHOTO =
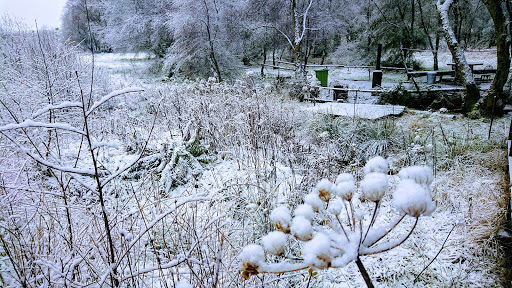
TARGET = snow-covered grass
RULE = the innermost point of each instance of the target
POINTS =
(249, 149)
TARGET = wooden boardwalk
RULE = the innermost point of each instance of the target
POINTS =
(366, 111)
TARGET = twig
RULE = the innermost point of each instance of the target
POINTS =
(439, 252)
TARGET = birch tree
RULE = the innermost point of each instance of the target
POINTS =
(299, 28)
(472, 93)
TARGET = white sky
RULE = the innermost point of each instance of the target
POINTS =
(45, 12)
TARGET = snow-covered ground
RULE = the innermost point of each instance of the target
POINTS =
(251, 152)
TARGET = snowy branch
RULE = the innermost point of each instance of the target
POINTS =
(66, 104)
(29, 123)
(110, 96)
(50, 164)
(282, 33)
(297, 41)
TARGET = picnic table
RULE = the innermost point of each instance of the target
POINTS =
(471, 65)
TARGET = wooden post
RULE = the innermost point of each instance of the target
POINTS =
(377, 74)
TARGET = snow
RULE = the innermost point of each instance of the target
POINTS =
(317, 251)
(346, 189)
(274, 242)
(305, 210)
(454, 185)
(301, 228)
(111, 95)
(420, 174)
(253, 255)
(349, 255)
(413, 199)
(30, 123)
(252, 207)
(314, 201)
(183, 284)
(374, 186)
(344, 177)
(66, 104)
(335, 207)
(376, 164)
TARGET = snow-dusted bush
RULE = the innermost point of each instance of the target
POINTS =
(333, 239)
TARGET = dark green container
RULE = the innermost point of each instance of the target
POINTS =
(322, 76)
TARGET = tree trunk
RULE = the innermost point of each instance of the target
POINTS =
(472, 93)
(212, 49)
(495, 98)
(296, 36)
(264, 60)
(438, 40)
(274, 57)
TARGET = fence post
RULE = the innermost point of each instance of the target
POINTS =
(377, 74)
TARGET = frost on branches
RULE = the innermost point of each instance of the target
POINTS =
(333, 230)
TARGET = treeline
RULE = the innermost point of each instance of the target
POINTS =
(205, 37)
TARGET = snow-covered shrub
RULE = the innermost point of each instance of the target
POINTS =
(85, 225)
(332, 239)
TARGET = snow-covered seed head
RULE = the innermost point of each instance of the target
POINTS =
(274, 243)
(282, 219)
(335, 207)
(374, 185)
(252, 257)
(344, 177)
(346, 189)
(325, 188)
(317, 252)
(376, 164)
(301, 228)
(314, 200)
(305, 210)
(413, 199)
(420, 174)
(358, 215)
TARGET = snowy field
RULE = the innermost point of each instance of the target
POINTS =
(215, 161)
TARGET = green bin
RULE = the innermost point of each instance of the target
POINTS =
(322, 76)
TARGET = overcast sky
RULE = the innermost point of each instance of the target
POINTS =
(46, 12)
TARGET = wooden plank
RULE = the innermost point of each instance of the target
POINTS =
(367, 111)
